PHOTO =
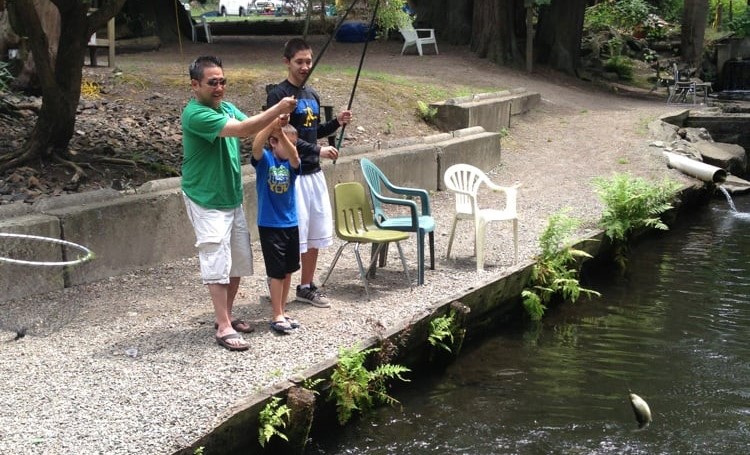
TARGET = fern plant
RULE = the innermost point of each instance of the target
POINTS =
(271, 419)
(426, 112)
(355, 388)
(630, 204)
(555, 272)
(441, 328)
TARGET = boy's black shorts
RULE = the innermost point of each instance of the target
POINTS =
(280, 248)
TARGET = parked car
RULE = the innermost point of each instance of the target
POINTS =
(234, 7)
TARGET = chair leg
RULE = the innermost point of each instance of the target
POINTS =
(436, 49)
(362, 273)
(335, 260)
(479, 245)
(419, 48)
(450, 238)
(420, 257)
(432, 250)
(515, 241)
(403, 262)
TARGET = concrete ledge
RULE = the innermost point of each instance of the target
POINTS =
(491, 111)
(130, 231)
(15, 279)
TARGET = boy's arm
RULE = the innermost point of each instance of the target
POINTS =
(291, 150)
(252, 125)
(261, 138)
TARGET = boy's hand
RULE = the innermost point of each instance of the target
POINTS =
(283, 120)
(329, 151)
(344, 117)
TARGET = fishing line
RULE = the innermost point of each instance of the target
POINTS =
(359, 70)
(88, 254)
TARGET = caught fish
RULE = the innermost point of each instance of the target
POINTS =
(641, 410)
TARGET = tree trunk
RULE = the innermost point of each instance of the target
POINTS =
(693, 29)
(59, 74)
(559, 33)
(492, 30)
(451, 19)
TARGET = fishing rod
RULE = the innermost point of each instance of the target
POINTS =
(325, 46)
(359, 70)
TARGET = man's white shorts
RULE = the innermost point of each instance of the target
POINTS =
(313, 212)
(223, 242)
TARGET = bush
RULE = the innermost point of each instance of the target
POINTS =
(620, 65)
(621, 14)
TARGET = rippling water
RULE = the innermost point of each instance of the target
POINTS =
(676, 331)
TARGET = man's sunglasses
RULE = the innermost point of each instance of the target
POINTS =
(214, 82)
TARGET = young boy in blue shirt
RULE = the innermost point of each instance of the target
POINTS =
(276, 171)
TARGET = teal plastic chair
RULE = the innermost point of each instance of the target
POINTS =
(355, 225)
(419, 220)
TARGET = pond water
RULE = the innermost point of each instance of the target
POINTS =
(676, 331)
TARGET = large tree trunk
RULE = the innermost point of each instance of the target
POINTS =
(493, 29)
(693, 29)
(559, 33)
(59, 75)
(451, 19)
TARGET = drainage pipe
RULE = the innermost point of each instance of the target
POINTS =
(695, 168)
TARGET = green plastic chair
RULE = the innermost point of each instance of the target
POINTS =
(355, 225)
(417, 221)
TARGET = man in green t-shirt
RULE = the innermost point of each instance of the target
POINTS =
(212, 189)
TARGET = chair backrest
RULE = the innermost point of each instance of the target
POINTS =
(353, 214)
(407, 31)
(464, 180)
(374, 178)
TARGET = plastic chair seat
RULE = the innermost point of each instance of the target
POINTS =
(419, 219)
(466, 180)
(355, 225)
(404, 223)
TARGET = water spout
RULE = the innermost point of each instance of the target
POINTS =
(729, 198)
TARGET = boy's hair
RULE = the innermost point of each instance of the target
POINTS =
(289, 130)
(199, 64)
(293, 46)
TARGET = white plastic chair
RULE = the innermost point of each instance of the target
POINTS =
(465, 180)
(411, 37)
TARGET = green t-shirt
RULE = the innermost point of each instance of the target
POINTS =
(211, 174)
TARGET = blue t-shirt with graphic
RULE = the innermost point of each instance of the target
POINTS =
(274, 184)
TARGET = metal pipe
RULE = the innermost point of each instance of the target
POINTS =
(695, 168)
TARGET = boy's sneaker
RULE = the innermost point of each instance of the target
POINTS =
(312, 296)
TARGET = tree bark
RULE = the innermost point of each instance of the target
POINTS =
(693, 29)
(60, 72)
(559, 33)
(493, 30)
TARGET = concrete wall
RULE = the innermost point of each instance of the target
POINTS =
(134, 231)
(491, 111)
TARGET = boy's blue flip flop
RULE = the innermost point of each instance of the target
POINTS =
(282, 326)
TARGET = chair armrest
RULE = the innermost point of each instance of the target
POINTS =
(423, 195)
(404, 202)
(431, 31)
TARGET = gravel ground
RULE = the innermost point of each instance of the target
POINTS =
(129, 364)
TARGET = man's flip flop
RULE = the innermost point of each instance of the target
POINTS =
(224, 341)
(237, 326)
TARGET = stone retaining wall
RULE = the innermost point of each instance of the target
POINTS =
(134, 231)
